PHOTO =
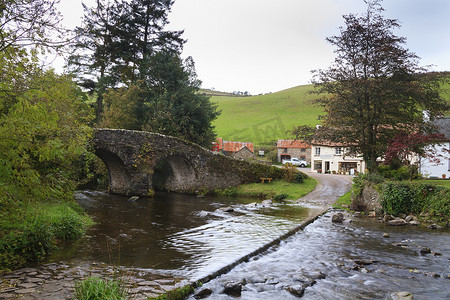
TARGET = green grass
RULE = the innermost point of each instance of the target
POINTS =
(444, 183)
(293, 191)
(266, 118)
(344, 201)
(95, 288)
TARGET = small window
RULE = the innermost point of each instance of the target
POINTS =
(303, 150)
(317, 150)
(339, 151)
(285, 150)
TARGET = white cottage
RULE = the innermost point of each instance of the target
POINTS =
(333, 158)
(429, 168)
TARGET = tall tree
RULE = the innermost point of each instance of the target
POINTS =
(95, 52)
(375, 87)
(166, 100)
(115, 40)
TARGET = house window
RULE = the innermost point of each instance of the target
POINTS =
(317, 150)
(303, 150)
(285, 150)
(339, 151)
(303, 157)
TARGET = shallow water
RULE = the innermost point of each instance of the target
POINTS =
(186, 236)
(332, 249)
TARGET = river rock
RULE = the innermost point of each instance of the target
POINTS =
(133, 199)
(402, 296)
(267, 202)
(203, 293)
(386, 235)
(337, 218)
(308, 281)
(397, 222)
(296, 290)
(435, 226)
(414, 223)
(233, 288)
(227, 209)
(387, 218)
(425, 250)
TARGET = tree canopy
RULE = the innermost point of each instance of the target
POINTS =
(375, 88)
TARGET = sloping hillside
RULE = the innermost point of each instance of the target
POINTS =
(264, 119)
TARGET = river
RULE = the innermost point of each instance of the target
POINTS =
(186, 238)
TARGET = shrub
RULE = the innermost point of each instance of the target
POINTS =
(411, 197)
(439, 205)
(95, 288)
(280, 197)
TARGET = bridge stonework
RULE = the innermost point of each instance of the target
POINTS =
(140, 162)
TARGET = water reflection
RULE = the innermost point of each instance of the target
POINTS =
(188, 235)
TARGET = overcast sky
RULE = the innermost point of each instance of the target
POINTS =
(264, 46)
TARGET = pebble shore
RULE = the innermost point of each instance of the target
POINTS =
(56, 281)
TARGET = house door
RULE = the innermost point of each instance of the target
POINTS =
(327, 167)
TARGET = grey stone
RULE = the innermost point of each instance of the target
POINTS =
(267, 202)
(203, 293)
(402, 296)
(337, 218)
(150, 283)
(25, 291)
(27, 285)
(165, 281)
(414, 223)
(386, 235)
(226, 209)
(136, 154)
(233, 289)
(297, 290)
(425, 250)
(397, 222)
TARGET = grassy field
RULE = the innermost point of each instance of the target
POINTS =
(444, 183)
(265, 118)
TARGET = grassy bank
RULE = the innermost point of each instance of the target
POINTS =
(28, 234)
(291, 190)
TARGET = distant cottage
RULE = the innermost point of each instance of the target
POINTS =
(429, 168)
(293, 148)
(240, 150)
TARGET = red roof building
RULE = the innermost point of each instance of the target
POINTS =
(293, 148)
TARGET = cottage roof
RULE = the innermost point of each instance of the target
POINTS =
(292, 144)
(229, 146)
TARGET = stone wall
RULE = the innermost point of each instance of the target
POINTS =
(368, 200)
(136, 158)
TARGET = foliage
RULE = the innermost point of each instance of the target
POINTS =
(279, 197)
(400, 173)
(344, 201)
(375, 88)
(439, 205)
(362, 179)
(95, 288)
(165, 101)
(45, 133)
(30, 23)
(115, 41)
(402, 197)
(290, 172)
(27, 236)
(177, 294)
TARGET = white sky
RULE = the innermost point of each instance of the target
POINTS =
(264, 46)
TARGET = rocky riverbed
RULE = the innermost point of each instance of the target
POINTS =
(56, 281)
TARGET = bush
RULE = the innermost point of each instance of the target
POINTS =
(280, 197)
(38, 232)
(439, 205)
(411, 197)
(95, 288)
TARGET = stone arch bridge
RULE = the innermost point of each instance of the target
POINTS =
(140, 162)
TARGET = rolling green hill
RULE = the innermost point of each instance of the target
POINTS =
(265, 118)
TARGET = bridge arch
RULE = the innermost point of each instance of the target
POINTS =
(139, 161)
(173, 173)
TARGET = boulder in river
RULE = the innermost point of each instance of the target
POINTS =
(233, 288)
(402, 296)
(296, 290)
(337, 218)
(397, 222)
(203, 293)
